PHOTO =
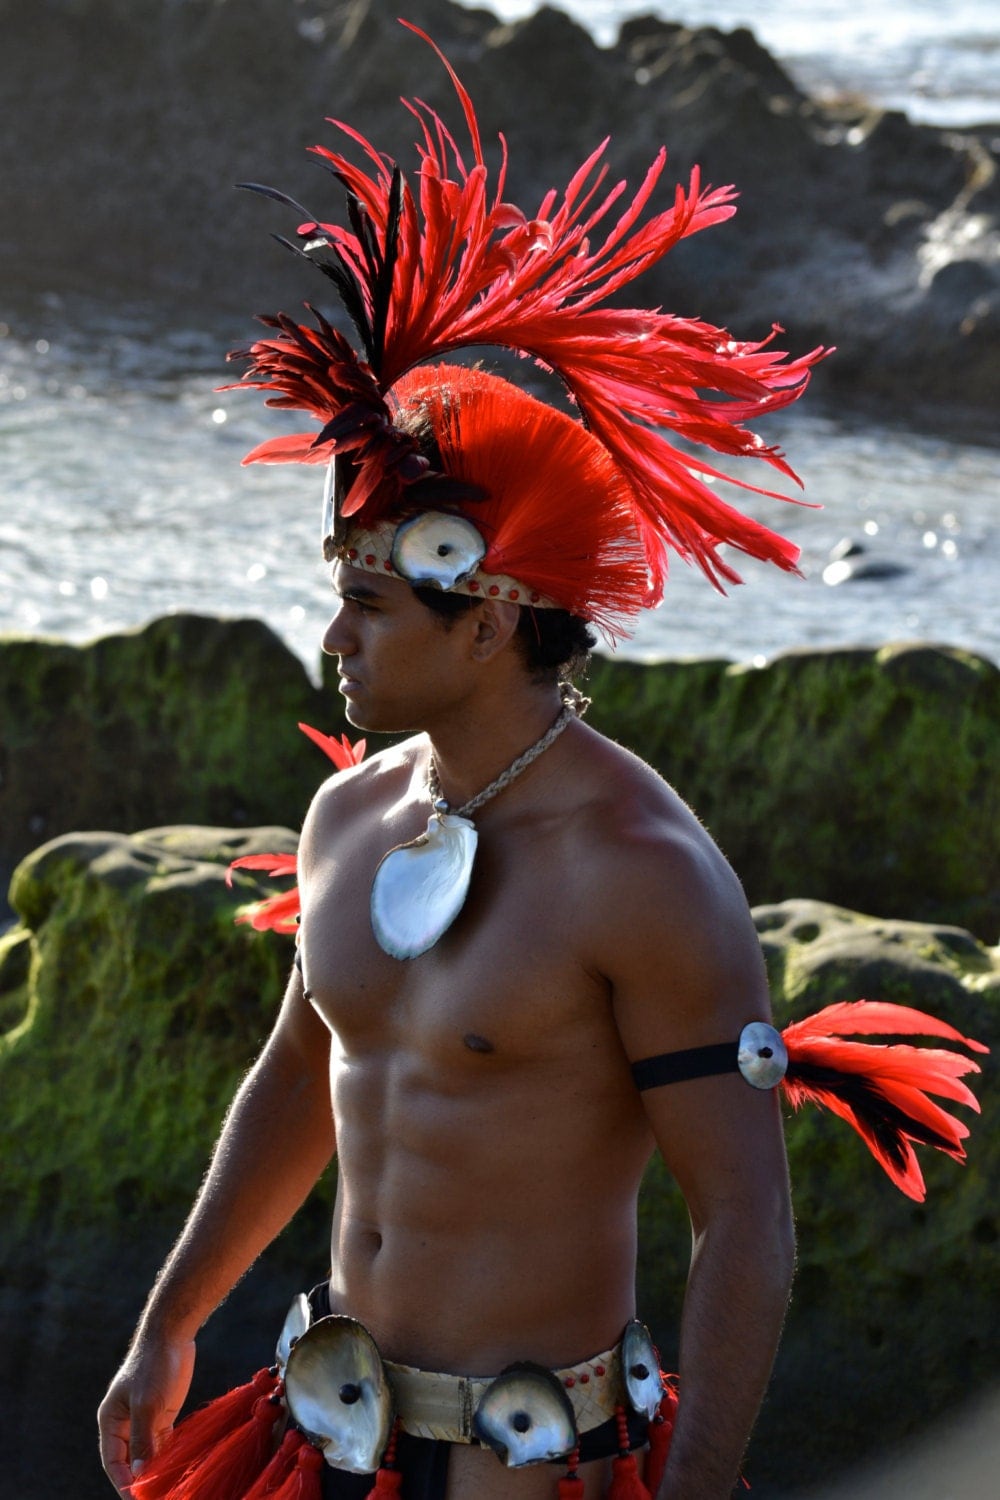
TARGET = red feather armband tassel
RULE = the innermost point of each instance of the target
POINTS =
(882, 1090)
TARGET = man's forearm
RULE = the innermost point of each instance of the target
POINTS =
(734, 1307)
(277, 1139)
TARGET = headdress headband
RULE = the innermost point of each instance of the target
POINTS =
(457, 266)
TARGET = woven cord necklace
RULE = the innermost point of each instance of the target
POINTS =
(420, 887)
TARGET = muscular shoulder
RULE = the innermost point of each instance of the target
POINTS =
(359, 792)
(667, 919)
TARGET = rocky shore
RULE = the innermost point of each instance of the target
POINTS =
(130, 1003)
(856, 226)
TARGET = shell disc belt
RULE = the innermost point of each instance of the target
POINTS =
(345, 1398)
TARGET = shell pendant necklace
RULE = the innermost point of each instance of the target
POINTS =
(420, 887)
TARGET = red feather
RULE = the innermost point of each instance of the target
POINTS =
(452, 265)
(281, 913)
(882, 1090)
(275, 914)
(341, 752)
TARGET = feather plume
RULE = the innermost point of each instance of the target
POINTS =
(448, 264)
(882, 1090)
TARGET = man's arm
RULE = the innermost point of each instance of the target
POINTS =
(730, 1167)
(276, 1140)
(690, 975)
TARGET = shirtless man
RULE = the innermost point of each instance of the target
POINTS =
(490, 1138)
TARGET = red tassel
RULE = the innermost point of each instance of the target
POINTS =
(625, 1482)
(661, 1430)
(387, 1484)
(388, 1478)
(293, 1473)
(278, 1470)
(570, 1486)
(230, 1422)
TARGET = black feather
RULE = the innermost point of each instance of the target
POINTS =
(382, 285)
(333, 267)
(279, 197)
(887, 1122)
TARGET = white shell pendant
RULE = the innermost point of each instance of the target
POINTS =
(420, 888)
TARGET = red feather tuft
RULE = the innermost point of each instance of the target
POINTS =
(341, 752)
(276, 913)
(556, 515)
(882, 1090)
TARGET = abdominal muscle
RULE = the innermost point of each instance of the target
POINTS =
(481, 1225)
(465, 1247)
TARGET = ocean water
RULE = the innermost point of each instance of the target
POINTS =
(122, 499)
(122, 496)
(937, 60)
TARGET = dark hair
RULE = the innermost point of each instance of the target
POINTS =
(552, 642)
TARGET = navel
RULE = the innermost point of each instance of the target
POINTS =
(477, 1043)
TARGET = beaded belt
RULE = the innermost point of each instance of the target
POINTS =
(430, 1405)
(345, 1397)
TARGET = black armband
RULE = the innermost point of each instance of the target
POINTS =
(759, 1054)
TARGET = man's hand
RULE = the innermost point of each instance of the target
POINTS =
(142, 1404)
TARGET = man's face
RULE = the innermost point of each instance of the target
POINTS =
(399, 667)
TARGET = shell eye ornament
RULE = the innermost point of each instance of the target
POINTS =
(762, 1055)
(641, 1369)
(338, 1395)
(437, 549)
(526, 1417)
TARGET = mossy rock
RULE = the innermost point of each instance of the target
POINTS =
(865, 778)
(143, 1006)
(139, 1005)
(858, 777)
(188, 720)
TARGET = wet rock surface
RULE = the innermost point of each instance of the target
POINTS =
(140, 1005)
(128, 123)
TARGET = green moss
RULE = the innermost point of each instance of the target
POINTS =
(890, 1314)
(862, 778)
(139, 1005)
(147, 1004)
(188, 720)
(16, 951)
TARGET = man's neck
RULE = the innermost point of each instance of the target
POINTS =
(475, 748)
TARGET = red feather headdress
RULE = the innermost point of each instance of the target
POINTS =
(454, 265)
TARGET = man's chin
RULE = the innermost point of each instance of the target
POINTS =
(374, 721)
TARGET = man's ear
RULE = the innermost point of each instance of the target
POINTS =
(496, 622)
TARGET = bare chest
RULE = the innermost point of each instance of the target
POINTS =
(507, 982)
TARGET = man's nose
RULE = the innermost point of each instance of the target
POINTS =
(336, 640)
